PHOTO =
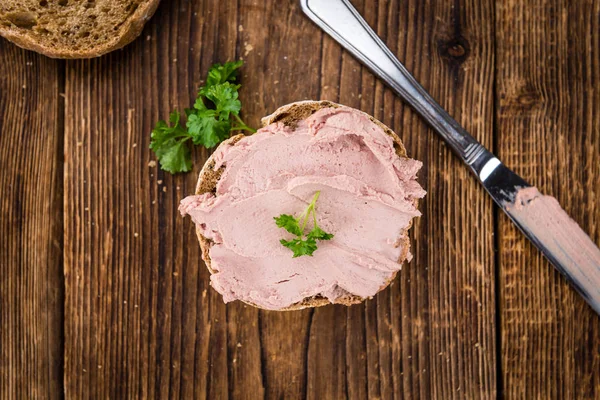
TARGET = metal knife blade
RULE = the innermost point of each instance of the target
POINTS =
(573, 253)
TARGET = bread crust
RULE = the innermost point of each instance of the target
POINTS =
(289, 115)
(131, 29)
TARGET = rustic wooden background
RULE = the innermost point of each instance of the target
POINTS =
(102, 291)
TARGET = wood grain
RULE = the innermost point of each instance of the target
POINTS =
(549, 132)
(140, 320)
(31, 285)
(440, 311)
(139, 311)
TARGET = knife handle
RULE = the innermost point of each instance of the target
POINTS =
(341, 20)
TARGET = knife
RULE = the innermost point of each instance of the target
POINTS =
(539, 217)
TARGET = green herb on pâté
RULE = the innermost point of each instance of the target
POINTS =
(214, 116)
(302, 245)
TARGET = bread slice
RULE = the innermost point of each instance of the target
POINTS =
(290, 115)
(74, 28)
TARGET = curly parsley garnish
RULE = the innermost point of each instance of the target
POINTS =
(214, 116)
(302, 245)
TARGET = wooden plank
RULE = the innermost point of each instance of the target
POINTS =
(549, 132)
(438, 317)
(141, 320)
(31, 287)
(275, 75)
(431, 335)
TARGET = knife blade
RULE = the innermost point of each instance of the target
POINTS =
(539, 217)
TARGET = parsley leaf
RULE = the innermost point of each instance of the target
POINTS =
(168, 142)
(207, 131)
(289, 223)
(175, 157)
(299, 245)
(225, 98)
(319, 234)
(214, 116)
(223, 73)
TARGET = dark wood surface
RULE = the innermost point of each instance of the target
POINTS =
(102, 290)
(31, 224)
(548, 130)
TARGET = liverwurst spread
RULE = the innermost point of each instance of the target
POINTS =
(367, 201)
(543, 218)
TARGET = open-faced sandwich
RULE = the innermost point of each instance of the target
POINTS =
(313, 209)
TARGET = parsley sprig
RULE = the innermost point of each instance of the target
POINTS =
(302, 245)
(214, 116)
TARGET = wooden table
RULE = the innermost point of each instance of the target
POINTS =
(102, 290)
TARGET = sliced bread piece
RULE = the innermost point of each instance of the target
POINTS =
(290, 115)
(74, 28)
